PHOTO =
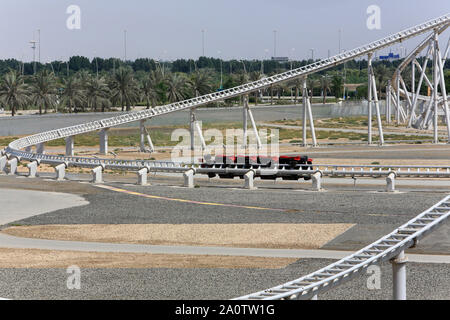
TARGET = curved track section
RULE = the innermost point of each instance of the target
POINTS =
(345, 269)
(13, 150)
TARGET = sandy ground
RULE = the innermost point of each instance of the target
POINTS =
(293, 236)
(32, 258)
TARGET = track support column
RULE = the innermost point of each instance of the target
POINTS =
(40, 148)
(104, 141)
(399, 276)
(60, 171)
(13, 166)
(317, 181)
(142, 176)
(3, 161)
(32, 169)
(97, 174)
(69, 146)
(249, 180)
(189, 178)
(390, 182)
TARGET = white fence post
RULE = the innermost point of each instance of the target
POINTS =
(249, 180)
(189, 178)
(60, 172)
(142, 176)
(32, 169)
(97, 174)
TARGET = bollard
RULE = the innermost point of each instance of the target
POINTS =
(32, 169)
(3, 161)
(142, 176)
(249, 180)
(390, 182)
(69, 146)
(40, 148)
(97, 173)
(189, 178)
(12, 166)
(317, 181)
(60, 172)
(399, 276)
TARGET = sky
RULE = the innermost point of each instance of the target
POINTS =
(171, 29)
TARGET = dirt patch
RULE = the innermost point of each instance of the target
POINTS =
(33, 258)
(294, 236)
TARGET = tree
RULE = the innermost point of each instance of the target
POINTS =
(97, 92)
(325, 83)
(311, 84)
(151, 86)
(44, 90)
(72, 94)
(176, 87)
(382, 75)
(200, 82)
(13, 91)
(297, 83)
(124, 88)
(255, 76)
(337, 85)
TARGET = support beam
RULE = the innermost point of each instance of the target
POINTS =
(307, 115)
(245, 121)
(40, 148)
(3, 161)
(317, 181)
(192, 130)
(104, 141)
(12, 166)
(390, 182)
(435, 91)
(189, 178)
(32, 169)
(304, 121)
(399, 276)
(369, 99)
(60, 171)
(70, 146)
(255, 128)
(249, 180)
(142, 176)
(443, 90)
(97, 174)
(145, 135)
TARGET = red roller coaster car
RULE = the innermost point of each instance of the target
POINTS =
(255, 162)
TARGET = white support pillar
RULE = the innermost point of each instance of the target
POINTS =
(97, 174)
(399, 276)
(104, 141)
(142, 176)
(245, 121)
(40, 148)
(305, 107)
(198, 128)
(377, 109)
(69, 146)
(388, 102)
(192, 129)
(317, 181)
(398, 105)
(60, 171)
(32, 169)
(142, 137)
(443, 90)
(3, 161)
(435, 91)
(249, 180)
(369, 99)
(189, 178)
(12, 166)
(255, 128)
(390, 182)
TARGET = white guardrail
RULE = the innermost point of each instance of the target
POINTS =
(389, 247)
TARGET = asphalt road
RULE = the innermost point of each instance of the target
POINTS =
(424, 281)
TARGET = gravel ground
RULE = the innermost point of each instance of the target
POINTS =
(424, 281)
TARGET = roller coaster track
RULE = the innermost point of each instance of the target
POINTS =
(324, 279)
(13, 150)
(383, 250)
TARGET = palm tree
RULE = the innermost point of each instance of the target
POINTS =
(337, 85)
(124, 88)
(255, 76)
(312, 83)
(150, 88)
(44, 90)
(297, 83)
(72, 94)
(200, 82)
(176, 87)
(325, 83)
(98, 93)
(13, 91)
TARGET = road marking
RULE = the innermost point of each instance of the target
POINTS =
(190, 201)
